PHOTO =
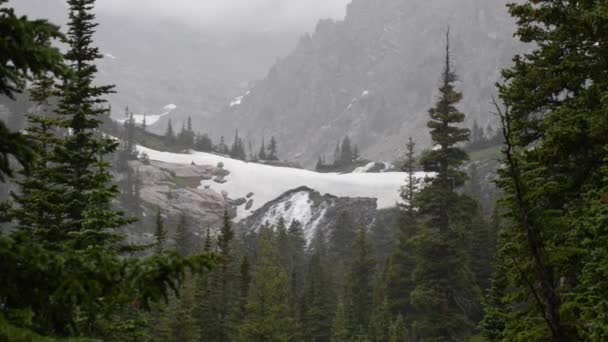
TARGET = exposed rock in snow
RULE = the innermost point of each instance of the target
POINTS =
(269, 182)
(313, 210)
(176, 189)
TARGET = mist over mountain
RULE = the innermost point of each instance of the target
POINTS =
(155, 59)
(374, 75)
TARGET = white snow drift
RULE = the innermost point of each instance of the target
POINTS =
(269, 182)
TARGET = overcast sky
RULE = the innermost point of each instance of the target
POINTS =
(299, 15)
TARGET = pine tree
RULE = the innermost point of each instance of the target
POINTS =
(346, 152)
(183, 236)
(318, 299)
(268, 317)
(245, 284)
(262, 153)
(272, 150)
(297, 260)
(340, 331)
(169, 133)
(71, 275)
(445, 294)
(360, 282)
(227, 281)
(27, 51)
(398, 331)
(411, 187)
(342, 238)
(380, 323)
(160, 234)
(554, 177)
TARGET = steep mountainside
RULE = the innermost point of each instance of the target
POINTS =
(374, 76)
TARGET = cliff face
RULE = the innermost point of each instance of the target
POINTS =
(374, 76)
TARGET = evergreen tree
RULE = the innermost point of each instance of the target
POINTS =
(340, 331)
(26, 52)
(160, 234)
(346, 152)
(554, 177)
(204, 143)
(69, 277)
(169, 133)
(245, 284)
(272, 150)
(342, 238)
(183, 236)
(380, 323)
(178, 323)
(356, 154)
(226, 284)
(268, 317)
(398, 331)
(445, 294)
(262, 153)
(411, 187)
(297, 259)
(318, 299)
(360, 284)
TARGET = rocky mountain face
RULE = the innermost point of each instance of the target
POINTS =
(313, 210)
(374, 75)
(175, 189)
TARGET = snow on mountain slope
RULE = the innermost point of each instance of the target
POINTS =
(269, 182)
(313, 211)
(150, 119)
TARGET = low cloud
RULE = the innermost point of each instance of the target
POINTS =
(259, 15)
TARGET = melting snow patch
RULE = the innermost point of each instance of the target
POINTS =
(269, 182)
(236, 101)
(297, 207)
(364, 169)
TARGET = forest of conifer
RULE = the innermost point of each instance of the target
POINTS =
(535, 268)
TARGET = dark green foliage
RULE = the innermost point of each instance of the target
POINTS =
(444, 293)
(342, 238)
(398, 332)
(184, 237)
(160, 234)
(380, 323)
(25, 53)
(553, 123)
(360, 283)
(268, 316)
(318, 301)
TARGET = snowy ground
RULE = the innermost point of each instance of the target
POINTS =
(269, 182)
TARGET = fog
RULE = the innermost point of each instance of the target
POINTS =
(237, 15)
